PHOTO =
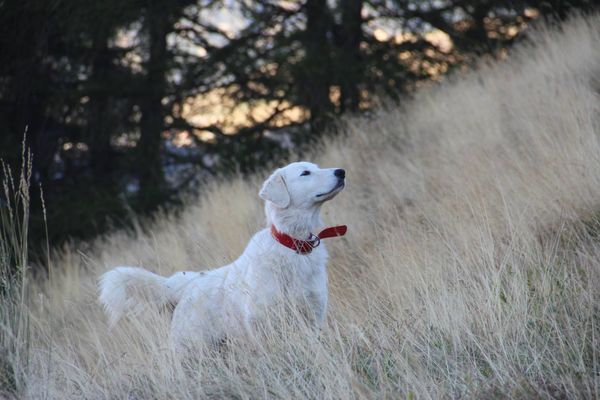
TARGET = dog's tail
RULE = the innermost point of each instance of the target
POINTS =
(130, 289)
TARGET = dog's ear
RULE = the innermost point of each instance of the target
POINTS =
(275, 190)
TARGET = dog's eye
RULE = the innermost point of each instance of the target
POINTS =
(304, 173)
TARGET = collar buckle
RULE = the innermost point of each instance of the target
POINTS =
(313, 242)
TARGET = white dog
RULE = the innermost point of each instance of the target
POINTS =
(283, 262)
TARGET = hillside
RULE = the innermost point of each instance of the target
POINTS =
(471, 267)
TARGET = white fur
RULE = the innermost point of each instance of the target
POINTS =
(230, 300)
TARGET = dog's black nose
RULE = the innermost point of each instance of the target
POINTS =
(340, 173)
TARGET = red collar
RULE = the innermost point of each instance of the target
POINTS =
(306, 246)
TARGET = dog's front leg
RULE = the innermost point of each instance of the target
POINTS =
(316, 309)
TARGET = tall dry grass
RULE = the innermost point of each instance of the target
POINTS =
(14, 261)
(471, 267)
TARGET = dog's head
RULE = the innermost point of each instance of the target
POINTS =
(302, 185)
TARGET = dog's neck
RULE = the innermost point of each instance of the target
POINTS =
(294, 222)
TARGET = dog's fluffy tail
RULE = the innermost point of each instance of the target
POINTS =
(129, 289)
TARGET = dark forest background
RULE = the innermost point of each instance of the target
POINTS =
(125, 104)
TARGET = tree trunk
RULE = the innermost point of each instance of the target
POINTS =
(350, 70)
(100, 124)
(150, 172)
(31, 94)
(316, 75)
